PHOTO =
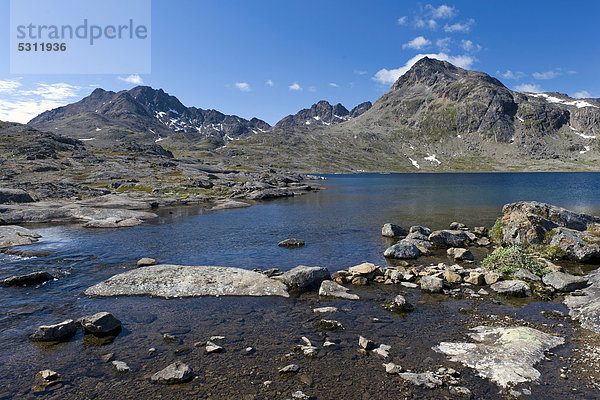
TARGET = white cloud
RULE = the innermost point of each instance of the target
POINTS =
(53, 91)
(442, 11)
(460, 27)
(25, 109)
(134, 79)
(360, 72)
(243, 86)
(401, 20)
(269, 83)
(387, 76)
(9, 85)
(295, 86)
(508, 74)
(571, 72)
(529, 87)
(332, 84)
(422, 23)
(583, 94)
(469, 46)
(443, 44)
(417, 43)
(545, 75)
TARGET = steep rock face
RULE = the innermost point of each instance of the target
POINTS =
(322, 114)
(146, 112)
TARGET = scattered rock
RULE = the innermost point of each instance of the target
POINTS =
(402, 250)
(299, 394)
(491, 277)
(289, 369)
(564, 282)
(325, 309)
(55, 333)
(514, 288)
(249, 350)
(360, 281)
(458, 226)
(217, 337)
(34, 278)
(450, 238)
(586, 308)
(107, 357)
(120, 366)
(526, 275)
(168, 338)
(330, 325)
(460, 254)
(383, 350)
(451, 276)
(175, 373)
(460, 391)
(365, 343)
(45, 379)
(427, 379)
(432, 284)
(399, 304)
(303, 278)
(100, 324)
(332, 289)
(363, 269)
(146, 262)
(212, 348)
(506, 356)
(392, 368)
(409, 285)
(391, 230)
(291, 243)
(475, 278)
(173, 281)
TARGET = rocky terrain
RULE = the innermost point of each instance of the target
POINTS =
(46, 177)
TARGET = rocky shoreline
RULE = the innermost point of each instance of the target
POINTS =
(518, 258)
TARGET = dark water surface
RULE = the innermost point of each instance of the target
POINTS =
(341, 226)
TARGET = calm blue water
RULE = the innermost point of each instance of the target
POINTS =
(341, 226)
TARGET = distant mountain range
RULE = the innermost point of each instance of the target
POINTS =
(436, 117)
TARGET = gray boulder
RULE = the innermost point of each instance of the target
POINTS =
(526, 275)
(14, 196)
(332, 289)
(564, 282)
(586, 308)
(391, 230)
(100, 324)
(514, 288)
(13, 235)
(303, 278)
(450, 238)
(578, 246)
(432, 284)
(291, 243)
(34, 278)
(173, 281)
(460, 254)
(175, 373)
(55, 333)
(402, 250)
(420, 229)
(146, 261)
(506, 356)
(400, 305)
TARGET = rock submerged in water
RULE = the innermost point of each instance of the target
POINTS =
(175, 373)
(506, 356)
(34, 278)
(100, 324)
(303, 278)
(174, 281)
(332, 289)
(55, 333)
(399, 305)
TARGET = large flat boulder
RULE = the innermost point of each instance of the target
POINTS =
(13, 235)
(173, 281)
(450, 238)
(587, 308)
(505, 356)
(8, 195)
(303, 278)
(402, 250)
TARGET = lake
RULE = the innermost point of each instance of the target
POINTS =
(341, 226)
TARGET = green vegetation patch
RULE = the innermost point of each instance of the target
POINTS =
(496, 231)
(510, 259)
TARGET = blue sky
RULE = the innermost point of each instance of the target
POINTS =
(268, 58)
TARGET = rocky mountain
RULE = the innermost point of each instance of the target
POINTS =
(438, 117)
(143, 113)
(322, 113)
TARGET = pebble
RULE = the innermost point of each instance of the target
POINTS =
(212, 348)
(365, 343)
(151, 350)
(289, 369)
(120, 366)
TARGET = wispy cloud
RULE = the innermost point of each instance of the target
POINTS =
(529, 87)
(442, 11)
(8, 86)
(469, 46)
(53, 91)
(401, 20)
(134, 79)
(243, 86)
(583, 94)
(387, 76)
(269, 83)
(358, 72)
(295, 86)
(443, 44)
(422, 23)
(312, 89)
(508, 74)
(464, 27)
(332, 84)
(417, 43)
(545, 75)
